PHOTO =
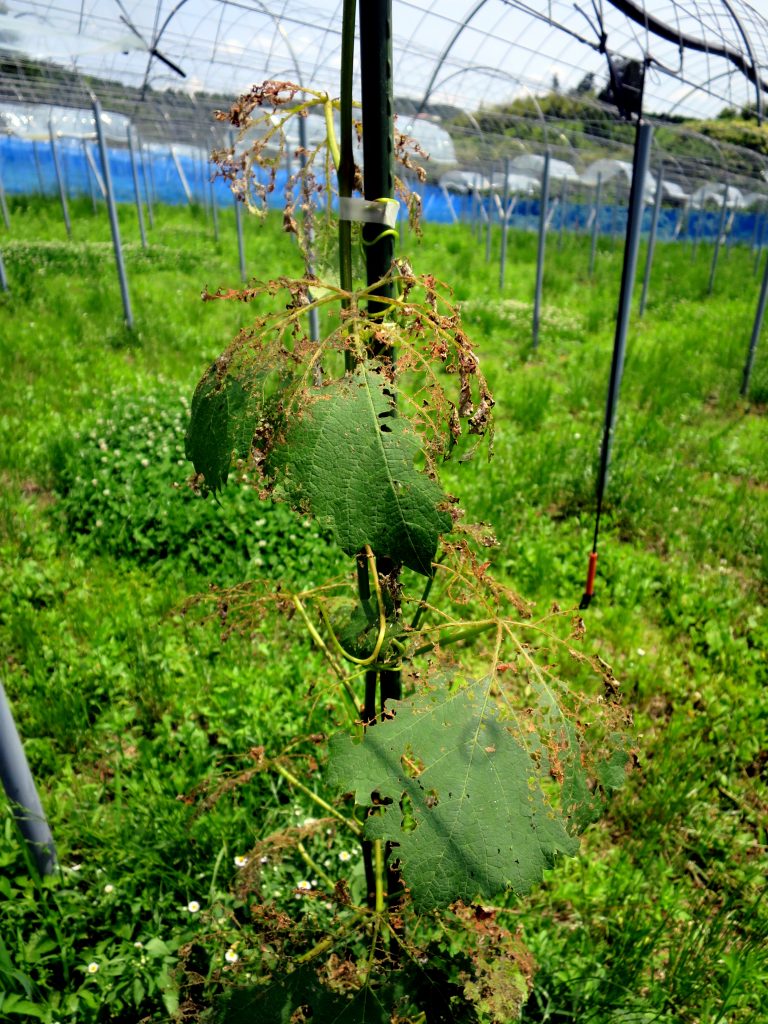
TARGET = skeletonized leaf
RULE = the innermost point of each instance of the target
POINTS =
(464, 799)
(347, 458)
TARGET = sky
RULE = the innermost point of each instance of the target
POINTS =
(505, 49)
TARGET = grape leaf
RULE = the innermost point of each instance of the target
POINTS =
(464, 800)
(222, 421)
(278, 1002)
(347, 458)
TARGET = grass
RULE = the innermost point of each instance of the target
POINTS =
(139, 722)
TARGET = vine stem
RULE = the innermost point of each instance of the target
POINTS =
(297, 784)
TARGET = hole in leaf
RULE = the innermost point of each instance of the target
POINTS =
(412, 765)
(385, 429)
(408, 820)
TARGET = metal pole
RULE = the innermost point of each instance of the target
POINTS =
(146, 180)
(756, 328)
(38, 168)
(544, 202)
(718, 241)
(21, 791)
(595, 225)
(182, 177)
(112, 209)
(760, 240)
(489, 221)
(652, 239)
(239, 226)
(215, 209)
(640, 161)
(563, 213)
(3, 276)
(60, 180)
(89, 176)
(95, 172)
(314, 322)
(504, 225)
(4, 206)
(136, 189)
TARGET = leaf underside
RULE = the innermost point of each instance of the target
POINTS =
(347, 458)
(463, 797)
(223, 417)
(279, 1002)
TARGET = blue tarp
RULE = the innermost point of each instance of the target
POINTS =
(28, 168)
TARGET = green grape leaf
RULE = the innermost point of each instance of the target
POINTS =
(464, 801)
(280, 1002)
(347, 458)
(222, 421)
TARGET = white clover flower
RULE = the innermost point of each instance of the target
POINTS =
(231, 956)
(304, 885)
(106, 492)
(345, 855)
(145, 462)
(108, 888)
(93, 967)
(99, 523)
(138, 945)
(240, 861)
(193, 906)
(640, 652)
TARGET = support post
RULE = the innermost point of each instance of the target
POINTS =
(21, 791)
(89, 176)
(182, 177)
(59, 180)
(595, 225)
(314, 322)
(718, 240)
(489, 222)
(652, 239)
(239, 226)
(3, 276)
(543, 218)
(136, 189)
(113, 221)
(148, 180)
(4, 206)
(756, 328)
(640, 161)
(504, 225)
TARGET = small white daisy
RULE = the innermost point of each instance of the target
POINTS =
(304, 885)
(240, 861)
(109, 888)
(92, 967)
(193, 906)
(344, 855)
(231, 956)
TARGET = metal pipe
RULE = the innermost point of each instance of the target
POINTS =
(60, 180)
(563, 213)
(595, 225)
(95, 171)
(146, 179)
(113, 221)
(182, 177)
(89, 176)
(136, 189)
(3, 276)
(239, 224)
(756, 328)
(652, 239)
(718, 240)
(544, 203)
(21, 791)
(760, 240)
(489, 219)
(640, 161)
(504, 225)
(314, 322)
(4, 206)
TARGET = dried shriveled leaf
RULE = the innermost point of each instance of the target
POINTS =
(472, 819)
